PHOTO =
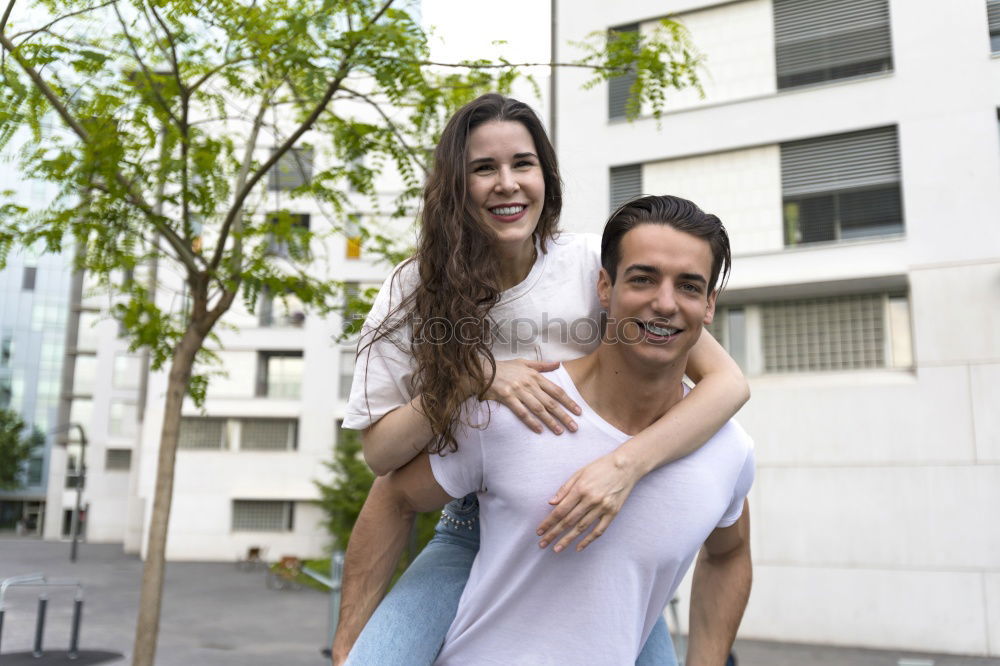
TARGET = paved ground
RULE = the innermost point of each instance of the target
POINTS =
(214, 615)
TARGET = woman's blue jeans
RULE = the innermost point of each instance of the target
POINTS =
(408, 627)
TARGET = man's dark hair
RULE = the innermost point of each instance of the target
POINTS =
(675, 212)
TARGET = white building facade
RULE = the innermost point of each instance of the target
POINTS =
(851, 148)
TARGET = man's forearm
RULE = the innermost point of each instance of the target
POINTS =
(377, 542)
(719, 594)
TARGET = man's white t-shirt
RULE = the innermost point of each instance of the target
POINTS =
(552, 315)
(525, 605)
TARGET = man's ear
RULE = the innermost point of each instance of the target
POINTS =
(710, 312)
(604, 288)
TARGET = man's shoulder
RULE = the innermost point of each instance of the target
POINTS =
(575, 243)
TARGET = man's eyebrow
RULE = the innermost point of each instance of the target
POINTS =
(693, 277)
(642, 268)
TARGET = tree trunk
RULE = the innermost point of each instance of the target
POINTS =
(147, 628)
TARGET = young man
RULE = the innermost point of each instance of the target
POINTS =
(662, 258)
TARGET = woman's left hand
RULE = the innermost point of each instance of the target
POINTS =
(592, 497)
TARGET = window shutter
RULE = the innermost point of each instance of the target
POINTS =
(993, 15)
(818, 40)
(842, 161)
(626, 183)
(619, 86)
(292, 170)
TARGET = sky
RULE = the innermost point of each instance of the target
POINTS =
(466, 30)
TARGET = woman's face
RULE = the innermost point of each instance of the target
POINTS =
(505, 180)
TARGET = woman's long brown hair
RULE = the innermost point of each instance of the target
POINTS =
(459, 270)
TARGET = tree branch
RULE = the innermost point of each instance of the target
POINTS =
(6, 15)
(234, 220)
(184, 254)
(145, 70)
(47, 27)
(388, 121)
(173, 48)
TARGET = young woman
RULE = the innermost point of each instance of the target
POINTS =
(494, 297)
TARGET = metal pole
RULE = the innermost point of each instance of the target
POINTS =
(74, 637)
(2, 611)
(553, 58)
(80, 481)
(336, 574)
(43, 602)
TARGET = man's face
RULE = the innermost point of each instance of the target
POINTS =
(660, 300)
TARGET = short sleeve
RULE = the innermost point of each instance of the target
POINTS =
(383, 369)
(741, 490)
(461, 472)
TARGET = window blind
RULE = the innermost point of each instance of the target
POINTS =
(619, 86)
(819, 40)
(626, 183)
(842, 161)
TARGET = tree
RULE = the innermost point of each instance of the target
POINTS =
(15, 448)
(172, 113)
(342, 498)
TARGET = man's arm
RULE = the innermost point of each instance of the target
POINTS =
(378, 540)
(719, 592)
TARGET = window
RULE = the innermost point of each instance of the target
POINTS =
(841, 187)
(87, 335)
(80, 411)
(993, 16)
(84, 374)
(290, 237)
(823, 40)
(354, 309)
(6, 391)
(281, 310)
(620, 87)
(28, 278)
(729, 327)
(279, 374)
(822, 334)
(6, 350)
(268, 434)
(292, 170)
(352, 230)
(117, 460)
(34, 475)
(127, 371)
(346, 372)
(626, 183)
(198, 432)
(124, 419)
(263, 516)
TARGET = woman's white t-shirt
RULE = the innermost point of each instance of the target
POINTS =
(552, 315)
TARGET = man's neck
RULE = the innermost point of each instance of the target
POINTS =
(627, 394)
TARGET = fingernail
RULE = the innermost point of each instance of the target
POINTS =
(572, 426)
(558, 548)
(553, 499)
(540, 532)
(543, 544)
(559, 431)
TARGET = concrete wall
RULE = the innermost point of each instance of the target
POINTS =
(872, 507)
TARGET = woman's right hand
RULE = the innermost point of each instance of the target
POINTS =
(521, 387)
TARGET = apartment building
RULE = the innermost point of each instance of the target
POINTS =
(34, 289)
(851, 148)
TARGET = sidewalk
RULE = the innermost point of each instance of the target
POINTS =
(214, 615)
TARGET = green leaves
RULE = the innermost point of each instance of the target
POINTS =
(16, 445)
